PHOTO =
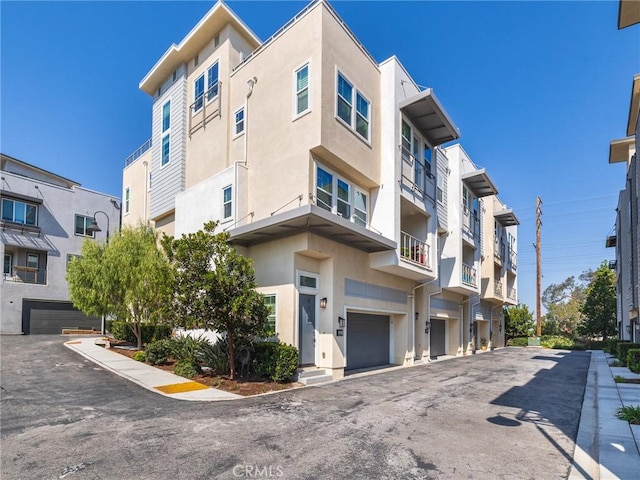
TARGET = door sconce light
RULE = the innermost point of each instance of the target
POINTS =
(427, 326)
(323, 302)
(341, 322)
(500, 328)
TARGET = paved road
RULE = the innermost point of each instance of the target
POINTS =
(507, 414)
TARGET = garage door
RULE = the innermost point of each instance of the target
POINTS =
(41, 317)
(367, 340)
(438, 335)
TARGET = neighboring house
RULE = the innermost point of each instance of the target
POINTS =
(327, 168)
(627, 237)
(44, 220)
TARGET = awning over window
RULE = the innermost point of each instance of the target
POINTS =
(621, 150)
(426, 113)
(628, 13)
(506, 217)
(19, 196)
(480, 183)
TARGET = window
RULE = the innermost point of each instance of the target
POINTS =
(196, 61)
(166, 116)
(406, 141)
(341, 197)
(19, 212)
(165, 149)
(418, 168)
(270, 303)
(427, 160)
(212, 81)
(465, 200)
(309, 282)
(227, 202)
(82, 225)
(8, 264)
(166, 132)
(239, 121)
(302, 90)
(440, 189)
(33, 260)
(198, 92)
(126, 200)
(347, 96)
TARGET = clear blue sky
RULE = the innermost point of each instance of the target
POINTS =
(538, 90)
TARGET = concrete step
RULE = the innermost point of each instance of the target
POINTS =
(313, 377)
(311, 373)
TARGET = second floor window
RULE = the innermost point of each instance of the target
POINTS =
(302, 90)
(239, 121)
(82, 225)
(19, 212)
(227, 202)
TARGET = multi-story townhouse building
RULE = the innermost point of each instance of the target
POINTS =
(325, 167)
(627, 237)
(45, 218)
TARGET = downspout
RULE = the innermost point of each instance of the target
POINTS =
(146, 189)
(250, 83)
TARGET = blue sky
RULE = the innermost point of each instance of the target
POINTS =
(537, 89)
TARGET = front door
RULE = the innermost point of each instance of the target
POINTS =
(307, 329)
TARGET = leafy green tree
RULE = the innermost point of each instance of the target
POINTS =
(518, 321)
(214, 287)
(563, 302)
(128, 278)
(599, 307)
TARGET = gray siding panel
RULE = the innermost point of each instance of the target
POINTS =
(354, 288)
(442, 168)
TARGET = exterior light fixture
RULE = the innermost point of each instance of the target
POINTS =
(427, 326)
(341, 322)
(94, 225)
(323, 302)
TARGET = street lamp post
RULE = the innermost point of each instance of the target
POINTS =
(95, 228)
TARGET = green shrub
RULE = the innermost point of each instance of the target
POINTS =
(623, 348)
(186, 369)
(633, 360)
(216, 356)
(518, 342)
(186, 347)
(630, 414)
(596, 345)
(619, 379)
(277, 361)
(557, 341)
(612, 346)
(150, 333)
(158, 352)
(139, 357)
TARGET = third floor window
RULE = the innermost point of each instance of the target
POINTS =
(19, 212)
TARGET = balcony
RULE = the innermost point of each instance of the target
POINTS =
(470, 225)
(512, 294)
(138, 153)
(31, 275)
(469, 276)
(498, 251)
(417, 176)
(513, 261)
(206, 106)
(497, 288)
(414, 251)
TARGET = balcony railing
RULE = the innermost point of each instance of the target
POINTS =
(513, 260)
(37, 276)
(205, 108)
(497, 288)
(498, 251)
(417, 174)
(469, 276)
(470, 222)
(138, 153)
(414, 250)
(512, 294)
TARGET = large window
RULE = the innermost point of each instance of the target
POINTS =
(239, 121)
(19, 212)
(346, 97)
(270, 303)
(227, 202)
(302, 90)
(166, 132)
(341, 197)
(82, 225)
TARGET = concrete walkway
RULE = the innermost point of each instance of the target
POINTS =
(151, 378)
(606, 447)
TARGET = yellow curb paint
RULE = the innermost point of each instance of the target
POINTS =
(181, 387)
(72, 343)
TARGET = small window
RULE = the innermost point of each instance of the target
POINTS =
(212, 81)
(302, 90)
(345, 99)
(362, 116)
(126, 200)
(270, 303)
(324, 189)
(440, 189)
(309, 282)
(360, 209)
(227, 202)
(198, 93)
(8, 264)
(427, 160)
(216, 40)
(239, 121)
(166, 116)
(33, 260)
(82, 225)
(175, 75)
(166, 145)
(196, 61)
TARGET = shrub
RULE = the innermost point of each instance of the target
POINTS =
(277, 361)
(186, 369)
(157, 352)
(619, 379)
(150, 333)
(216, 356)
(633, 360)
(623, 348)
(597, 345)
(612, 346)
(139, 357)
(186, 347)
(518, 342)
(630, 414)
(557, 341)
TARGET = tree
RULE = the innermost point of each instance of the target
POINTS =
(128, 278)
(599, 307)
(563, 302)
(214, 287)
(518, 321)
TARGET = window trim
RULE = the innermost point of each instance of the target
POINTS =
(296, 92)
(354, 189)
(197, 108)
(127, 196)
(34, 254)
(225, 203)
(350, 101)
(237, 133)
(75, 224)
(163, 164)
(13, 211)
(275, 309)
(8, 255)
(208, 69)
(353, 118)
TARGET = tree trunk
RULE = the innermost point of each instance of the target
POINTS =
(137, 331)
(232, 359)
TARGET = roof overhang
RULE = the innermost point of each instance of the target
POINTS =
(311, 219)
(19, 196)
(430, 118)
(621, 150)
(480, 183)
(634, 107)
(506, 217)
(628, 13)
(213, 22)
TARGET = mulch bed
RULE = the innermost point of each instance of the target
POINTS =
(246, 386)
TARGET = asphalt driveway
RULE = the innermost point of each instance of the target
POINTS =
(508, 414)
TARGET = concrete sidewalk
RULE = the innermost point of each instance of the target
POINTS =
(606, 447)
(151, 378)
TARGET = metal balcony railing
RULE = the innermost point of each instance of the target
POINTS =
(417, 174)
(513, 260)
(498, 250)
(469, 276)
(470, 222)
(414, 250)
(138, 153)
(205, 107)
(511, 294)
(37, 276)
(497, 288)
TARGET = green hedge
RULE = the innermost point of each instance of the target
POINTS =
(150, 333)
(518, 342)
(623, 349)
(633, 360)
(277, 361)
(612, 345)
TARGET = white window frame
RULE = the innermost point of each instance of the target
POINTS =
(275, 309)
(237, 133)
(358, 93)
(348, 101)
(13, 211)
(297, 114)
(75, 222)
(10, 257)
(127, 194)
(355, 93)
(37, 257)
(354, 189)
(208, 78)
(304, 288)
(197, 107)
(440, 189)
(229, 203)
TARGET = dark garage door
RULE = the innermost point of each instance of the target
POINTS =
(438, 330)
(367, 340)
(41, 317)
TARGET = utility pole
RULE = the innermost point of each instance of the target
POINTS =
(538, 266)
